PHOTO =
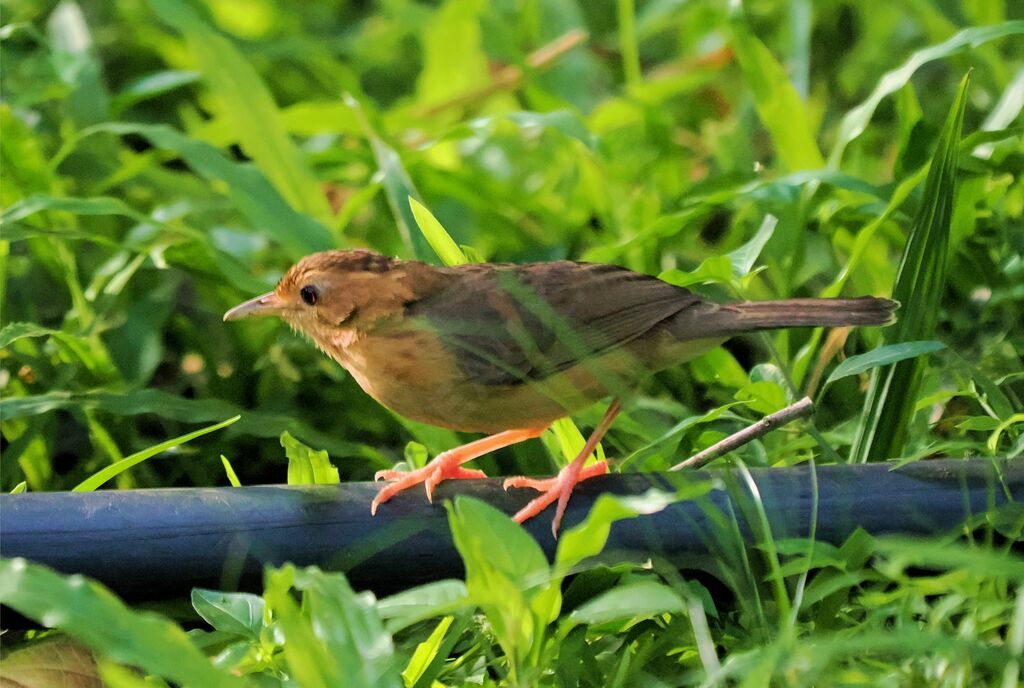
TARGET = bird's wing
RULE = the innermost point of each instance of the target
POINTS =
(517, 323)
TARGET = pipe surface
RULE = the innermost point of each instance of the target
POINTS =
(158, 543)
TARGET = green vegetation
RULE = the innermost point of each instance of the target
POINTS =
(163, 160)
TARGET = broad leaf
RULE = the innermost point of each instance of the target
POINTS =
(306, 466)
(89, 612)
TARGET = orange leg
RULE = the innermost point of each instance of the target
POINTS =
(560, 487)
(448, 465)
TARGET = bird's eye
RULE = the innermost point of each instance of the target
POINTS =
(310, 295)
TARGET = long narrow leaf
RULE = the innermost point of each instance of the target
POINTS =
(398, 186)
(856, 120)
(883, 355)
(440, 240)
(244, 101)
(251, 192)
(97, 479)
(919, 285)
(779, 106)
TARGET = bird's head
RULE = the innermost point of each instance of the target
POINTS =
(325, 293)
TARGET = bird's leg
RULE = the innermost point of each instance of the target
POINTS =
(448, 465)
(560, 487)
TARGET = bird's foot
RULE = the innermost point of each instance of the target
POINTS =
(560, 487)
(446, 466)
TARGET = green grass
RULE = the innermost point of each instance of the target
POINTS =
(164, 160)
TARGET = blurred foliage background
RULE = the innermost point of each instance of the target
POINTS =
(163, 160)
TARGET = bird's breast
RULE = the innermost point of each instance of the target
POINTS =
(412, 373)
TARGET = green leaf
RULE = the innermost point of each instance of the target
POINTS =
(152, 85)
(97, 205)
(905, 552)
(90, 613)
(530, 124)
(309, 663)
(336, 638)
(239, 613)
(307, 466)
(177, 408)
(919, 286)
(230, 472)
(856, 120)
(76, 63)
(589, 537)
(244, 101)
(763, 396)
(507, 575)
(442, 243)
(993, 440)
(665, 442)
(246, 186)
(20, 330)
(571, 441)
(630, 601)
(111, 471)
(426, 653)
(780, 107)
(984, 423)
(716, 269)
(454, 61)
(422, 602)
(398, 186)
(883, 355)
(745, 256)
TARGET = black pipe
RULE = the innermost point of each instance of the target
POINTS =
(156, 544)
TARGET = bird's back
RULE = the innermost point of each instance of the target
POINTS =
(489, 347)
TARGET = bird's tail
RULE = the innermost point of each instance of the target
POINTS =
(734, 318)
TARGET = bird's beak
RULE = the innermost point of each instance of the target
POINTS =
(268, 304)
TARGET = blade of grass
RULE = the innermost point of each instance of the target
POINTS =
(398, 186)
(920, 282)
(856, 120)
(628, 43)
(440, 240)
(97, 479)
(160, 403)
(251, 192)
(779, 106)
(766, 542)
(245, 102)
(230, 472)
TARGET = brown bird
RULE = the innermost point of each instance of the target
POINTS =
(508, 349)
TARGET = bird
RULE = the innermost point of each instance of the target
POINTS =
(506, 349)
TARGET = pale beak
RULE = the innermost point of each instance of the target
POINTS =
(268, 304)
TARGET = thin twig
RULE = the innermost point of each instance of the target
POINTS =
(801, 409)
(510, 77)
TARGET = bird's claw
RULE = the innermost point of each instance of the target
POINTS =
(551, 489)
(444, 467)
